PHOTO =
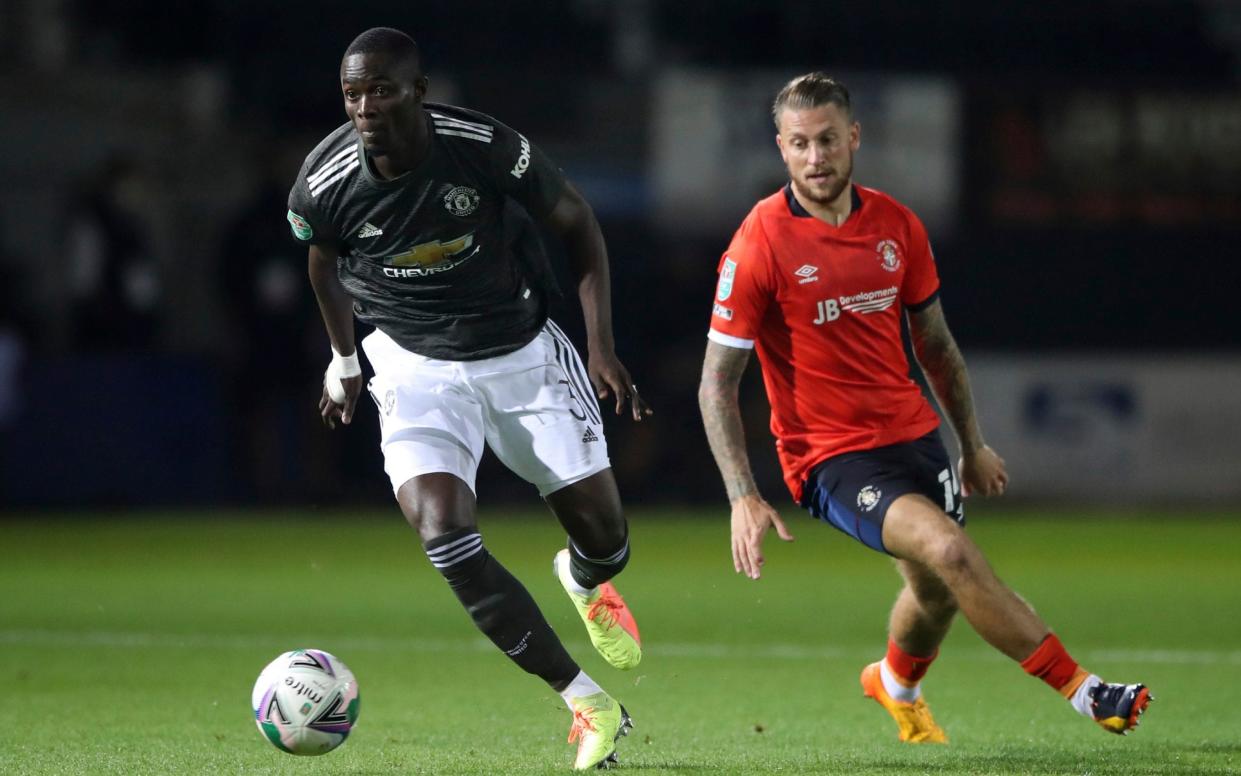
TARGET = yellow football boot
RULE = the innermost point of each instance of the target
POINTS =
(609, 622)
(916, 726)
(598, 723)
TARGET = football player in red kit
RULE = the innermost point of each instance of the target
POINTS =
(817, 280)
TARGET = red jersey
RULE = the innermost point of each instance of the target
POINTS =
(822, 306)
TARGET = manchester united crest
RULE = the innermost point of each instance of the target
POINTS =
(461, 201)
(889, 255)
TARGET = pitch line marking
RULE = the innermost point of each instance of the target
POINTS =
(689, 650)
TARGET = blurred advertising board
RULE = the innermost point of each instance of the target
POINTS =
(1114, 429)
(1097, 158)
(713, 150)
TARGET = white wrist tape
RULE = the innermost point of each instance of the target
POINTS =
(341, 367)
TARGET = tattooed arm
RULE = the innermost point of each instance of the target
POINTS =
(982, 470)
(721, 414)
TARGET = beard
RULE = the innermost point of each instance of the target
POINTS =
(825, 195)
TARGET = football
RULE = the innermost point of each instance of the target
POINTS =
(305, 702)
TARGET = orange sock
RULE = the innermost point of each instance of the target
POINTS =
(1052, 663)
(908, 668)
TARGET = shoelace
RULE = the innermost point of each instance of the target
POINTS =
(581, 724)
(605, 608)
(923, 716)
(916, 713)
(918, 717)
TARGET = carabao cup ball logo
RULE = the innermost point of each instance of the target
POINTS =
(300, 226)
(461, 201)
(727, 274)
(889, 255)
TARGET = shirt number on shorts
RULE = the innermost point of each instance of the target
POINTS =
(951, 491)
(572, 395)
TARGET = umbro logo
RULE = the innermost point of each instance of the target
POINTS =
(807, 274)
(590, 435)
(369, 230)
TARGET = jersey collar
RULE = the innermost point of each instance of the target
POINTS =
(796, 209)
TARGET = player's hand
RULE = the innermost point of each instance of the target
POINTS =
(609, 375)
(330, 410)
(983, 473)
(751, 517)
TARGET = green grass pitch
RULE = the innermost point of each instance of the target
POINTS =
(129, 645)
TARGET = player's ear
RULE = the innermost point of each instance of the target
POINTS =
(780, 145)
(855, 136)
(421, 83)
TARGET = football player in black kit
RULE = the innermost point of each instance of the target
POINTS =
(419, 219)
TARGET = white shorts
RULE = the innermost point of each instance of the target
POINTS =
(534, 407)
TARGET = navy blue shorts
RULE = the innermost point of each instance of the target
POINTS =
(853, 491)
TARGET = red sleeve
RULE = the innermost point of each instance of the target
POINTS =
(921, 282)
(744, 288)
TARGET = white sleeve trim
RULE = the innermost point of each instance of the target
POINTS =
(729, 340)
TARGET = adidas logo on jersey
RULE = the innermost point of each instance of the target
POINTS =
(590, 435)
(369, 230)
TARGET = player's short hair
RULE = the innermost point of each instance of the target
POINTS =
(810, 91)
(386, 40)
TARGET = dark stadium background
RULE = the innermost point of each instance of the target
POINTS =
(177, 128)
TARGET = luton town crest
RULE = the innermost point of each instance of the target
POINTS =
(868, 497)
(889, 255)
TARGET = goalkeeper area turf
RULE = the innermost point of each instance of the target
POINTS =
(130, 643)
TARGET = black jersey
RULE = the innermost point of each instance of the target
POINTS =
(445, 258)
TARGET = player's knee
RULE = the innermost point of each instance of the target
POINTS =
(598, 532)
(436, 504)
(952, 556)
(592, 568)
(611, 533)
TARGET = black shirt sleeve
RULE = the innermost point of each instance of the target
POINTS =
(306, 221)
(525, 173)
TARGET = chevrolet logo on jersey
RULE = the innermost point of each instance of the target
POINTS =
(430, 258)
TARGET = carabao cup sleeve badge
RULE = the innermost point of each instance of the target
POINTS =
(300, 226)
(727, 274)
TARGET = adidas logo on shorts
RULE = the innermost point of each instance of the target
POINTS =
(369, 230)
(590, 435)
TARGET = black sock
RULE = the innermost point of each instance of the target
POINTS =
(592, 572)
(501, 606)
